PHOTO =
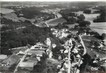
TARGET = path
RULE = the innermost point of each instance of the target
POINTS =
(85, 50)
(22, 59)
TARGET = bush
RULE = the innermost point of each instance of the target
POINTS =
(72, 20)
(87, 11)
(103, 36)
(101, 17)
(81, 17)
(84, 23)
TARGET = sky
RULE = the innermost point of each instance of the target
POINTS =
(55, 0)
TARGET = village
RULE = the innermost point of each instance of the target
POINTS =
(53, 40)
(69, 58)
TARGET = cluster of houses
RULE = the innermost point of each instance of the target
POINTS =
(60, 33)
(78, 51)
(73, 48)
(33, 56)
(27, 57)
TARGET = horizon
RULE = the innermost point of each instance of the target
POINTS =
(52, 0)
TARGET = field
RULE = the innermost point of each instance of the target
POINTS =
(56, 21)
(5, 10)
(98, 27)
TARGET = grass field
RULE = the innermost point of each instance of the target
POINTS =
(56, 21)
(5, 10)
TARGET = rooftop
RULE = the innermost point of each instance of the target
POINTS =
(28, 64)
(2, 57)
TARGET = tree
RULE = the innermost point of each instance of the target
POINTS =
(95, 34)
(84, 23)
(103, 36)
(81, 17)
(72, 20)
(72, 14)
(70, 17)
(87, 11)
(102, 16)
(27, 21)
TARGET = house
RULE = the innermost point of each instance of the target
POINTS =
(48, 42)
(39, 46)
(10, 61)
(20, 54)
(2, 57)
(36, 52)
(51, 62)
(29, 63)
(17, 49)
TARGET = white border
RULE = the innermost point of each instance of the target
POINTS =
(54, 0)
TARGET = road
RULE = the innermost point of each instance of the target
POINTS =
(92, 51)
(58, 15)
(21, 60)
(69, 58)
(85, 50)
